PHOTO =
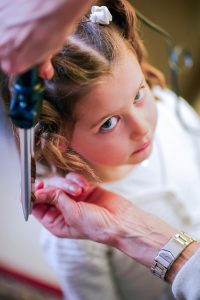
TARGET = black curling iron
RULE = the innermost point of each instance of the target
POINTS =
(26, 103)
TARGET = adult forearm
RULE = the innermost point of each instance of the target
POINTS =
(145, 247)
(144, 244)
(107, 218)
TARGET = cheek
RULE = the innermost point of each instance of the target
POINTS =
(99, 150)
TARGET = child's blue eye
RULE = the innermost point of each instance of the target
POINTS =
(109, 124)
(140, 94)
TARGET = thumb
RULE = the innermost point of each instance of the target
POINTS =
(81, 219)
(56, 197)
(46, 70)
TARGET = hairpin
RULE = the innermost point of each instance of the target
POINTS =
(100, 15)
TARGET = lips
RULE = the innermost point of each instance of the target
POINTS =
(142, 147)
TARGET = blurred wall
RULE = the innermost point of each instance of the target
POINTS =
(181, 18)
(19, 240)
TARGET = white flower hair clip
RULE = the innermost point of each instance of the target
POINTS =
(100, 15)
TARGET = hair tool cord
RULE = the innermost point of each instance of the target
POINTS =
(178, 58)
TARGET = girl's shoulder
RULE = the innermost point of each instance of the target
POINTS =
(166, 97)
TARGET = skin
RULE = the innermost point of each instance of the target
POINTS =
(96, 214)
(70, 208)
(114, 121)
(37, 31)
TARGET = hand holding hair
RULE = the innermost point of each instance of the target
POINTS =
(68, 207)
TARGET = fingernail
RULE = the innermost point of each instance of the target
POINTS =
(6, 66)
(39, 184)
(47, 72)
(73, 189)
(83, 185)
(77, 179)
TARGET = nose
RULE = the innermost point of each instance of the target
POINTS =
(138, 125)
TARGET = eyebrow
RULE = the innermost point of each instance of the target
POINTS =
(109, 115)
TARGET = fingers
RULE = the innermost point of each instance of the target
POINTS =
(39, 210)
(46, 70)
(52, 219)
(23, 58)
(66, 217)
(53, 196)
(51, 203)
(73, 184)
(66, 185)
(56, 211)
(39, 185)
(45, 213)
(78, 179)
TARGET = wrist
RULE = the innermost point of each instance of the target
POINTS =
(144, 240)
(169, 253)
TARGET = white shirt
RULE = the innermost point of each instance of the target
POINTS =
(186, 284)
(167, 184)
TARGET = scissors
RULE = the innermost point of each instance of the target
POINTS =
(27, 95)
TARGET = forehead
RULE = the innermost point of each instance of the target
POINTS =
(111, 93)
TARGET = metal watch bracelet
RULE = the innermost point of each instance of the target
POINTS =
(169, 253)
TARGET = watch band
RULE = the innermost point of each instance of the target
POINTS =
(169, 253)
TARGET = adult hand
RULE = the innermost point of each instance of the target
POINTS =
(31, 31)
(69, 207)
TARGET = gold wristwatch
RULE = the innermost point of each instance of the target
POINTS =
(169, 253)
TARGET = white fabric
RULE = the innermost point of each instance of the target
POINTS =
(167, 184)
(186, 284)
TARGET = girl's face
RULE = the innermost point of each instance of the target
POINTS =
(116, 120)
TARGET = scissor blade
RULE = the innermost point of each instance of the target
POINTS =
(25, 158)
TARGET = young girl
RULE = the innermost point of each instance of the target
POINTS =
(99, 118)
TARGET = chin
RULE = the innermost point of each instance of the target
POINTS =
(141, 156)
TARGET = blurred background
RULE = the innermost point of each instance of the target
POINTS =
(181, 18)
(23, 270)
